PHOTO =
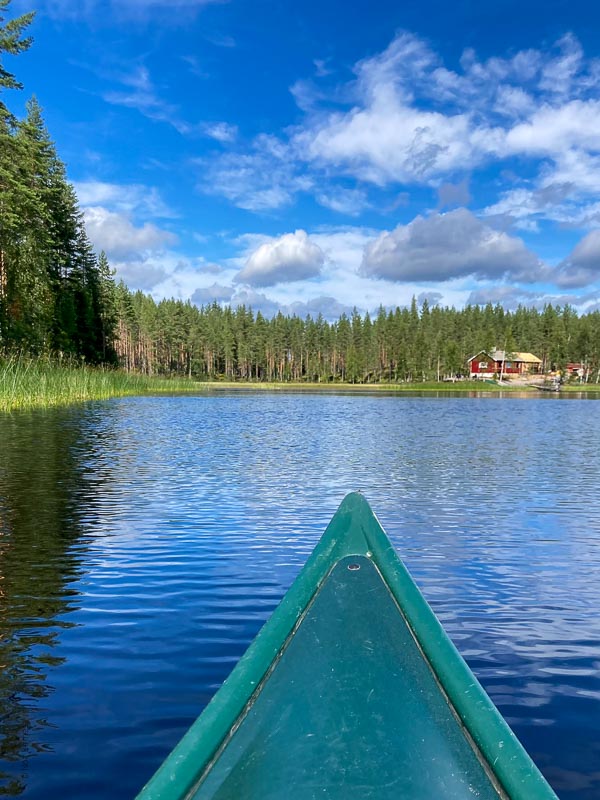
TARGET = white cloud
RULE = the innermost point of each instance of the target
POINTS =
(512, 101)
(518, 206)
(221, 131)
(117, 235)
(582, 266)
(128, 198)
(263, 179)
(210, 294)
(291, 257)
(328, 307)
(413, 120)
(553, 130)
(511, 297)
(565, 195)
(407, 119)
(386, 136)
(137, 90)
(506, 296)
(390, 142)
(576, 167)
(168, 273)
(432, 298)
(344, 201)
(141, 94)
(446, 246)
(220, 39)
(337, 288)
(258, 301)
(559, 74)
(140, 273)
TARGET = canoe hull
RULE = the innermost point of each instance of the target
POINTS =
(351, 688)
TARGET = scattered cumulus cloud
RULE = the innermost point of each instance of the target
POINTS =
(128, 198)
(350, 202)
(506, 296)
(432, 298)
(264, 179)
(582, 266)
(446, 246)
(328, 307)
(511, 297)
(115, 233)
(217, 293)
(411, 119)
(291, 257)
(406, 119)
(139, 273)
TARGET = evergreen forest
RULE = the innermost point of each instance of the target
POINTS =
(58, 298)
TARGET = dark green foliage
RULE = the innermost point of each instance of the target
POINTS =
(12, 42)
(55, 295)
(173, 337)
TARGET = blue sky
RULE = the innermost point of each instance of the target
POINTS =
(316, 156)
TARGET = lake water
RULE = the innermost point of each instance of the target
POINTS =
(143, 542)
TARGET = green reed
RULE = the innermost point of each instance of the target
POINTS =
(32, 383)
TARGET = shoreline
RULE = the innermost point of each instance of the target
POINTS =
(35, 385)
(358, 388)
(459, 387)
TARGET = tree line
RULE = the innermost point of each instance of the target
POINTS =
(57, 297)
(55, 293)
(173, 337)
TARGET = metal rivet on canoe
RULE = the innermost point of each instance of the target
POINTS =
(353, 566)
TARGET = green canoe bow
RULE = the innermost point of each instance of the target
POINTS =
(352, 689)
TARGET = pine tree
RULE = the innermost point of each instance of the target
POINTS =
(12, 192)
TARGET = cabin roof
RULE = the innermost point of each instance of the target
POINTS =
(529, 358)
(500, 355)
(481, 352)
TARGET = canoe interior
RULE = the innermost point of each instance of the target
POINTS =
(351, 709)
(352, 689)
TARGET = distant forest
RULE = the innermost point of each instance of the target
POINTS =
(59, 299)
(404, 344)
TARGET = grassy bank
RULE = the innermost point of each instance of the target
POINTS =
(37, 384)
(399, 388)
(581, 387)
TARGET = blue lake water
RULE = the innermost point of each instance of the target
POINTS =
(143, 542)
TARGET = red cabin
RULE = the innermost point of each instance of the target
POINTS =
(498, 362)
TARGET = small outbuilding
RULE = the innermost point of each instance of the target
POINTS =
(576, 369)
(486, 364)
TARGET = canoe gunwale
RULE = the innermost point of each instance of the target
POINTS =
(492, 777)
(353, 531)
(250, 702)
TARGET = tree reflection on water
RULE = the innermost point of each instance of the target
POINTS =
(40, 556)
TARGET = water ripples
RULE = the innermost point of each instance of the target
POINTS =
(143, 543)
